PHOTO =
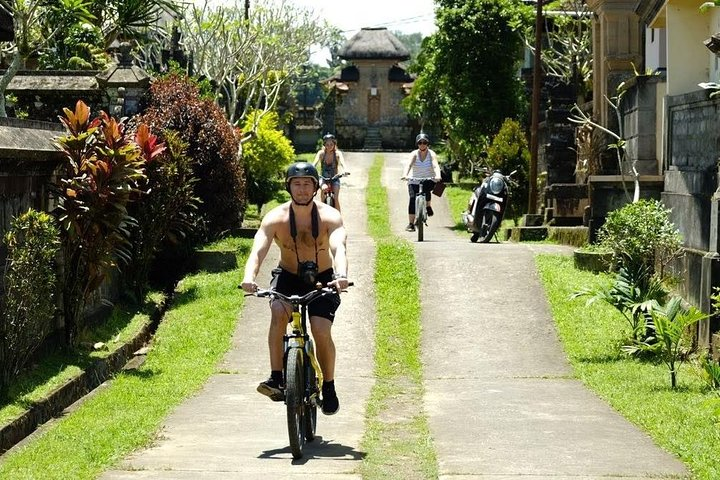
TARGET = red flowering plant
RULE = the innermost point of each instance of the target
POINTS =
(167, 213)
(104, 165)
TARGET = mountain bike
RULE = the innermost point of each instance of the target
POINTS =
(301, 370)
(421, 215)
(328, 194)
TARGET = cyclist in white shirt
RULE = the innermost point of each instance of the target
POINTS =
(423, 163)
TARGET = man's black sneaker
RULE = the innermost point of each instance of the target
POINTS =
(410, 227)
(330, 402)
(429, 211)
(273, 389)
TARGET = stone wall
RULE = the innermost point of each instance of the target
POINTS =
(693, 147)
(691, 180)
(639, 114)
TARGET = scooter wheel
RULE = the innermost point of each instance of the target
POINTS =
(474, 237)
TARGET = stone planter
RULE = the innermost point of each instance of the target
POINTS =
(592, 261)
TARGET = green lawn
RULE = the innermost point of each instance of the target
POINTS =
(683, 421)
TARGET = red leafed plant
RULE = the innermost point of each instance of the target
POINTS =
(103, 168)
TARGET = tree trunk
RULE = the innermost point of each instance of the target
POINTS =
(6, 78)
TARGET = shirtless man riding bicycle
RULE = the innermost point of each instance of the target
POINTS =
(312, 241)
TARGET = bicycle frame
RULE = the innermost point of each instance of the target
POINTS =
(326, 188)
(297, 337)
(420, 208)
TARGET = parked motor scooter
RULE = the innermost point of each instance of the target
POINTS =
(487, 206)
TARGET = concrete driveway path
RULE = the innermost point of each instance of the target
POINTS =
(499, 394)
(229, 431)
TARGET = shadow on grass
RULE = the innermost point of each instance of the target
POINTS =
(600, 359)
(145, 374)
(188, 295)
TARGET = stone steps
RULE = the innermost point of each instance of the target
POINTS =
(373, 139)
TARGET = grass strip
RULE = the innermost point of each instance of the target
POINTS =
(458, 200)
(397, 437)
(682, 421)
(188, 344)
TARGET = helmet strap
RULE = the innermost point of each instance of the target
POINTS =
(315, 222)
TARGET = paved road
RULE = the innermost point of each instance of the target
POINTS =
(499, 396)
(228, 430)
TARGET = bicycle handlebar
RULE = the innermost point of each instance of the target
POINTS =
(420, 179)
(335, 177)
(296, 299)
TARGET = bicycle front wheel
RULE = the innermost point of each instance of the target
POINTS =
(310, 413)
(294, 393)
(420, 216)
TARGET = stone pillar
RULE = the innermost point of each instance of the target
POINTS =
(617, 45)
(124, 84)
(710, 274)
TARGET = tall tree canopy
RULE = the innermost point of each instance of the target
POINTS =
(252, 56)
(467, 82)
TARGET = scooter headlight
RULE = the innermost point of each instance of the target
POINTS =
(496, 185)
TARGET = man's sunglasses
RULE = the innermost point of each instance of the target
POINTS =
(423, 142)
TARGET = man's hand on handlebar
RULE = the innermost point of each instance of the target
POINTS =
(340, 283)
(249, 287)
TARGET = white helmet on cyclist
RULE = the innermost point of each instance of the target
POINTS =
(421, 137)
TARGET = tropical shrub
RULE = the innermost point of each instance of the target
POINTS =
(103, 166)
(670, 324)
(634, 294)
(167, 212)
(174, 103)
(708, 362)
(80, 47)
(265, 158)
(27, 312)
(641, 237)
(509, 151)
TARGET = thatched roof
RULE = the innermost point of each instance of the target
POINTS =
(374, 43)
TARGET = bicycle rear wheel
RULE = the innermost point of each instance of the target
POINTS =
(420, 216)
(294, 393)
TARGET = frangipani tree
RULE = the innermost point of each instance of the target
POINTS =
(251, 55)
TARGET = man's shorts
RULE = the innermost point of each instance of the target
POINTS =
(288, 283)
